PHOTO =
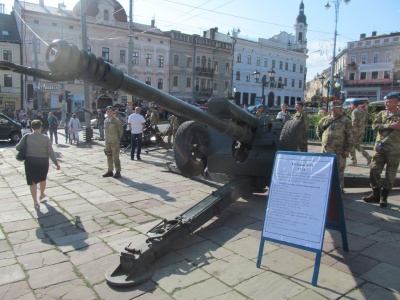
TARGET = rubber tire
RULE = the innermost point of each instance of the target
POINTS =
(190, 137)
(15, 137)
(293, 137)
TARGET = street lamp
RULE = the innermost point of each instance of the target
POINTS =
(336, 3)
(264, 82)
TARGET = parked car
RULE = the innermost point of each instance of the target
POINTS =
(378, 105)
(360, 101)
(9, 129)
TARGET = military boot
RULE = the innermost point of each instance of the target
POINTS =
(374, 197)
(384, 195)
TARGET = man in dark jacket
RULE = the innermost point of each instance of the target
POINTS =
(45, 123)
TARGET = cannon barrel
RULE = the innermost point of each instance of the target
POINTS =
(64, 58)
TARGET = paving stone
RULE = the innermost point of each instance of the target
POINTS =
(79, 244)
(19, 226)
(4, 246)
(233, 295)
(269, 285)
(222, 235)
(248, 247)
(23, 236)
(18, 290)
(11, 274)
(372, 292)
(384, 252)
(309, 295)
(74, 290)
(203, 290)
(42, 259)
(94, 270)
(33, 247)
(384, 275)
(89, 226)
(360, 229)
(331, 284)
(285, 262)
(233, 269)
(106, 291)
(50, 275)
(89, 253)
(7, 262)
(156, 294)
(178, 276)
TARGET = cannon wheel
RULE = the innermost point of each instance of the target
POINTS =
(293, 136)
(189, 148)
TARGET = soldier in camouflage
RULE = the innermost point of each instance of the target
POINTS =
(114, 131)
(336, 135)
(358, 121)
(387, 150)
(300, 114)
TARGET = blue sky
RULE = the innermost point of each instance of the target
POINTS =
(265, 18)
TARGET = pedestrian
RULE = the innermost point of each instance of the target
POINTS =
(387, 150)
(336, 135)
(15, 116)
(173, 128)
(45, 123)
(26, 125)
(300, 114)
(39, 150)
(119, 117)
(321, 111)
(113, 134)
(136, 124)
(66, 127)
(284, 114)
(359, 122)
(74, 128)
(259, 110)
(53, 126)
(100, 123)
(154, 117)
(20, 116)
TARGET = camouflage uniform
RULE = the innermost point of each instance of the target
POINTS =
(301, 117)
(113, 131)
(359, 120)
(336, 138)
(390, 152)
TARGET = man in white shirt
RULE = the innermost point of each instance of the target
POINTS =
(136, 123)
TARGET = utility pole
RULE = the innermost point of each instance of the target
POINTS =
(84, 46)
(35, 79)
(130, 47)
(61, 8)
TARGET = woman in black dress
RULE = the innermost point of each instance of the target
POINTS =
(39, 150)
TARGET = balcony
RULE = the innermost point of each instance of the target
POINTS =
(352, 65)
(370, 81)
(208, 72)
(204, 92)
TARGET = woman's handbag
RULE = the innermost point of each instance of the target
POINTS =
(22, 152)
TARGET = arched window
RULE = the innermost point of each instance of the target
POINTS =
(209, 63)
(106, 15)
(203, 61)
(198, 61)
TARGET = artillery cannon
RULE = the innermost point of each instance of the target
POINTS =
(226, 140)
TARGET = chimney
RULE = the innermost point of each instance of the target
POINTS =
(41, 2)
(373, 33)
(362, 36)
(204, 34)
(152, 22)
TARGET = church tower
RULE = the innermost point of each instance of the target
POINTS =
(301, 29)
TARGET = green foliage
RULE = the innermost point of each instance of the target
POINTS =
(313, 120)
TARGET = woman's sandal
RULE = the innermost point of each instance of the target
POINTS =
(42, 197)
(37, 206)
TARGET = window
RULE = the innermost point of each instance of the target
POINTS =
(265, 62)
(388, 56)
(226, 85)
(105, 53)
(148, 59)
(89, 48)
(353, 60)
(258, 61)
(71, 27)
(148, 80)
(106, 15)
(238, 75)
(135, 58)
(175, 81)
(248, 77)
(161, 61)
(227, 67)
(176, 60)
(300, 84)
(292, 82)
(273, 63)
(239, 58)
(376, 58)
(215, 87)
(149, 40)
(209, 63)
(7, 55)
(363, 75)
(294, 67)
(364, 59)
(188, 82)
(198, 61)
(301, 68)
(374, 75)
(216, 66)
(122, 56)
(286, 66)
(7, 80)
(248, 59)
(386, 74)
(203, 61)
(160, 83)
(352, 76)
(285, 81)
(189, 62)
(280, 65)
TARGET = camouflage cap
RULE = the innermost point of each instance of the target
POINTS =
(335, 103)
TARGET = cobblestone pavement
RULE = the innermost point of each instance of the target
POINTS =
(63, 251)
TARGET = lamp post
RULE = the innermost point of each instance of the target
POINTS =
(264, 82)
(336, 3)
